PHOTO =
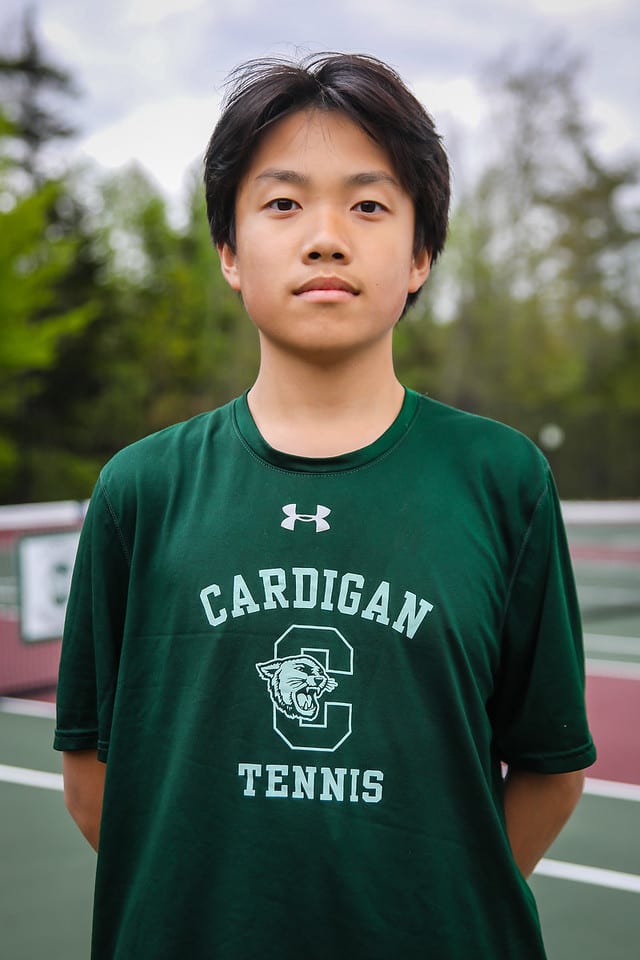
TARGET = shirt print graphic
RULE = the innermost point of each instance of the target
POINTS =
(301, 677)
(291, 514)
(295, 685)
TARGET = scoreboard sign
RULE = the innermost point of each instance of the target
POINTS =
(45, 565)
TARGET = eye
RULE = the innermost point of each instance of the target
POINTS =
(283, 205)
(370, 206)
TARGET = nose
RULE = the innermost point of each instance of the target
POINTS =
(326, 239)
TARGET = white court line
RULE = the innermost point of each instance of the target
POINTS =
(609, 596)
(612, 788)
(607, 643)
(31, 778)
(27, 708)
(53, 781)
(617, 669)
(594, 875)
(559, 869)
(577, 872)
(599, 512)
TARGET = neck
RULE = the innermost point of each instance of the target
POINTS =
(324, 409)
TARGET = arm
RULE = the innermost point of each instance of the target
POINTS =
(84, 777)
(537, 806)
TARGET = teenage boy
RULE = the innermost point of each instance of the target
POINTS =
(307, 629)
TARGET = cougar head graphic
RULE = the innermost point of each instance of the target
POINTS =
(296, 684)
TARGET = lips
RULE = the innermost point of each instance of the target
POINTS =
(323, 283)
(307, 704)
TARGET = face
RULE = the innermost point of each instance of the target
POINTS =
(324, 239)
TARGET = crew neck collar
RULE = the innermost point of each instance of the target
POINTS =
(252, 439)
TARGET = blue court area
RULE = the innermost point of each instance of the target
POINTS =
(588, 886)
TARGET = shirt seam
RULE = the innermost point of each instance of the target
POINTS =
(521, 552)
(116, 523)
(313, 475)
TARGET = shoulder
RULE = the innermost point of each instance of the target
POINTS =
(174, 451)
(466, 434)
(484, 455)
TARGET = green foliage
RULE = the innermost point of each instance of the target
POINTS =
(541, 273)
(34, 321)
(178, 338)
(30, 268)
(115, 322)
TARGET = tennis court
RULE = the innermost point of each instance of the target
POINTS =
(588, 887)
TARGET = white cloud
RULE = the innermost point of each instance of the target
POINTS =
(139, 61)
(459, 97)
(460, 111)
(64, 39)
(165, 137)
(572, 8)
(150, 12)
(614, 128)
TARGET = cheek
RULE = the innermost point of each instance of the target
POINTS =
(258, 261)
(394, 277)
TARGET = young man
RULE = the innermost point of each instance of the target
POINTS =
(307, 629)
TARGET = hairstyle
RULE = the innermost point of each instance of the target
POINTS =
(367, 91)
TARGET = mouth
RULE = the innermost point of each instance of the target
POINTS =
(306, 704)
(327, 289)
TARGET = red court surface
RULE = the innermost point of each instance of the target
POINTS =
(614, 715)
(613, 705)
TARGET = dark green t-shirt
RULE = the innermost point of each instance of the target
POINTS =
(304, 675)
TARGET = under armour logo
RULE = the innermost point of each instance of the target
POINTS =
(291, 515)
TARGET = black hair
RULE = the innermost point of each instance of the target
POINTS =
(367, 91)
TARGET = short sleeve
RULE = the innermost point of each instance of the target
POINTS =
(93, 632)
(539, 709)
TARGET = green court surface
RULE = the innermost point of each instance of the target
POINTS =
(587, 887)
(46, 870)
(46, 873)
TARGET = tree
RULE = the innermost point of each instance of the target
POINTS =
(179, 333)
(119, 323)
(43, 304)
(34, 324)
(30, 82)
(116, 323)
(543, 260)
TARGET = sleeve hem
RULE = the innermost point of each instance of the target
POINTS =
(75, 740)
(567, 762)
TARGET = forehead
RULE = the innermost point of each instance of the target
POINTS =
(316, 140)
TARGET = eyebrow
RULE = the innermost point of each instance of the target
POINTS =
(357, 179)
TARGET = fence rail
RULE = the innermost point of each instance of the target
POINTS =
(37, 550)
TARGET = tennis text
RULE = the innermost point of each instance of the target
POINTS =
(280, 780)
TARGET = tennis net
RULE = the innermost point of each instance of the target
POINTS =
(604, 538)
(37, 549)
(38, 544)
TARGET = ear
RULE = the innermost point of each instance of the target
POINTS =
(229, 265)
(420, 268)
(269, 669)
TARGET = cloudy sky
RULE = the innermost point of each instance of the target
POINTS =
(151, 71)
